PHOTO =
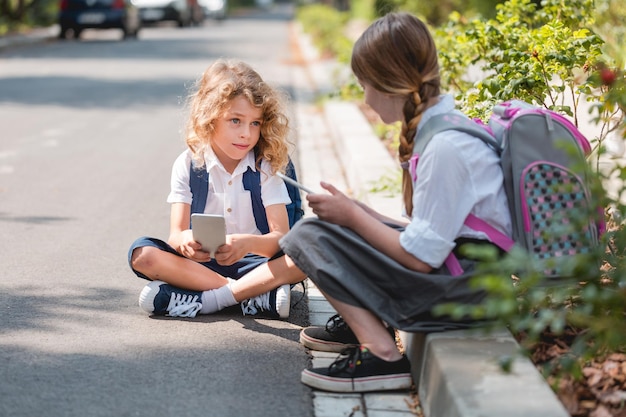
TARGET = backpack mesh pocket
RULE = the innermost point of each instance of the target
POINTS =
(556, 205)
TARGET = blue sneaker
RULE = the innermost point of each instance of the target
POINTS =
(273, 304)
(162, 299)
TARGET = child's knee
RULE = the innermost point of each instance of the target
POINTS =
(142, 258)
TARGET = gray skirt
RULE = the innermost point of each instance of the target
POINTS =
(346, 267)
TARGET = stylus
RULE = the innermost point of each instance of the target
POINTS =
(295, 183)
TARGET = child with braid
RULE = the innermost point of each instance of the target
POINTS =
(374, 272)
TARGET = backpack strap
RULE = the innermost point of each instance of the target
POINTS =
(252, 183)
(495, 236)
(455, 120)
(199, 184)
(294, 209)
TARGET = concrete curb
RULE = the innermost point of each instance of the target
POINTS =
(461, 377)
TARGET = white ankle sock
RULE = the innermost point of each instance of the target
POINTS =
(218, 299)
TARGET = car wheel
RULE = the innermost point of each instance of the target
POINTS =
(63, 33)
(130, 34)
(185, 20)
(77, 33)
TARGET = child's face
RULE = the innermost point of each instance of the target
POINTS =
(388, 107)
(237, 131)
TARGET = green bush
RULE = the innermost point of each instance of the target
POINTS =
(18, 15)
(533, 55)
(436, 13)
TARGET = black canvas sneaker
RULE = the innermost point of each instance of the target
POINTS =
(360, 371)
(336, 336)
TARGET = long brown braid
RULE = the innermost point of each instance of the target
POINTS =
(396, 55)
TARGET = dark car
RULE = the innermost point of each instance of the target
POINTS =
(77, 15)
(182, 12)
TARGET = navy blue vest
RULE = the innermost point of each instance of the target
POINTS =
(199, 183)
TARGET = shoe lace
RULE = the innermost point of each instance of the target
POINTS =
(256, 305)
(347, 361)
(183, 305)
(336, 324)
(303, 296)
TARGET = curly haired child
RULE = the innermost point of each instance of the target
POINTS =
(237, 124)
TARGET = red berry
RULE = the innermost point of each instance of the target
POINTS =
(607, 76)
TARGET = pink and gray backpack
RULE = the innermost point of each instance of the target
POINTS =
(542, 156)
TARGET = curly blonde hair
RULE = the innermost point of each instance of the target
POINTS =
(397, 55)
(223, 81)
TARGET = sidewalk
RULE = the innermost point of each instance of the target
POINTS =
(33, 36)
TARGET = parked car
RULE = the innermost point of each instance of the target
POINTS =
(183, 12)
(264, 4)
(77, 15)
(214, 9)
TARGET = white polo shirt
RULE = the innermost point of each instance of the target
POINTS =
(456, 175)
(226, 193)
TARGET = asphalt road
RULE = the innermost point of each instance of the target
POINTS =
(90, 129)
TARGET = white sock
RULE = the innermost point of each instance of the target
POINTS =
(218, 299)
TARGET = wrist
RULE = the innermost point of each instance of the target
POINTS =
(355, 215)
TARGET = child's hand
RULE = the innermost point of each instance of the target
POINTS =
(232, 251)
(335, 208)
(191, 249)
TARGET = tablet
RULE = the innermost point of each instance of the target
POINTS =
(209, 230)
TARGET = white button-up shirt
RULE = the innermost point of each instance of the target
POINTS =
(226, 193)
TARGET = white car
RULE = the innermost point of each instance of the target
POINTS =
(214, 9)
(182, 12)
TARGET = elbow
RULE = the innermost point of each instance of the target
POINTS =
(415, 264)
(419, 266)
